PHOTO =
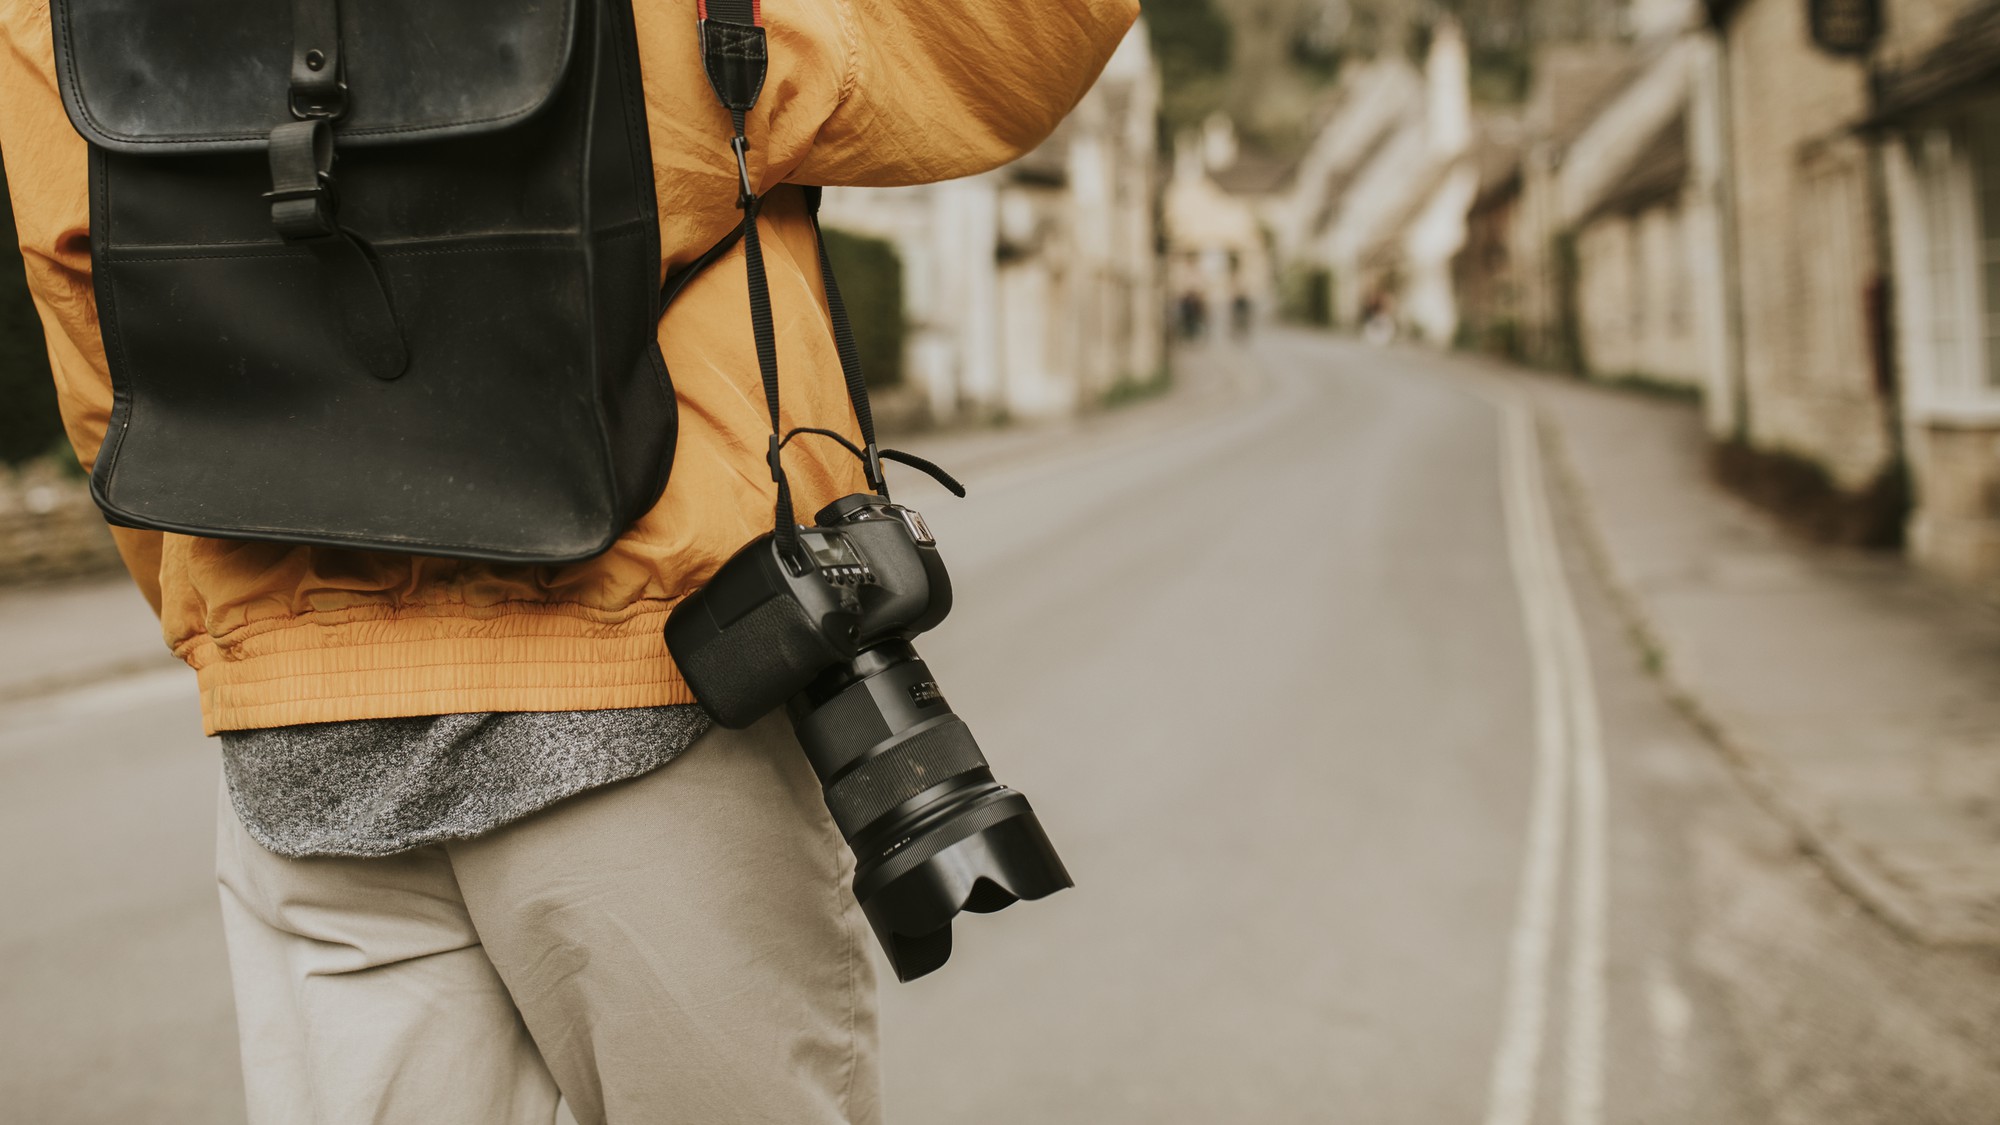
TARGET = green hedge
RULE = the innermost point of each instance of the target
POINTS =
(1305, 295)
(871, 283)
(1192, 39)
(29, 425)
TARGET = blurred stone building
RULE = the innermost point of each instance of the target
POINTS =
(1864, 162)
(1483, 274)
(1937, 112)
(1034, 289)
(1638, 201)
(1636, 293)
(1793, 208)
(1638, 163)
(1572, 82)
(1212, 216)
(1810, 375)
(1379, 200)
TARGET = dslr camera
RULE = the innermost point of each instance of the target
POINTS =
(821, 623)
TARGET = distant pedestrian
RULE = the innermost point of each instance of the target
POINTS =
(1194, 315)
(1240, 313)
(1378, 318)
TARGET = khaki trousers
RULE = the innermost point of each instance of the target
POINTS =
(678, 948)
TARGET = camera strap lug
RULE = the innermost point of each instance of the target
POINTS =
(740, 144)
(774, 458)
(871, 463)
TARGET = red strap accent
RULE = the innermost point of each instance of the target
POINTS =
(756, 11)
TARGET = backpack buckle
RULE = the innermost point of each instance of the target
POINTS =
(328, 105)
(315, 221)
(302, 197)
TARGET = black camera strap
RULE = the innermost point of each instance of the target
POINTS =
(734, 57)
(870, 454)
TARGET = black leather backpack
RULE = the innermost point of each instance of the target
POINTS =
(374, 273)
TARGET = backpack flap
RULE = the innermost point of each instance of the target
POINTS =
(167, 76)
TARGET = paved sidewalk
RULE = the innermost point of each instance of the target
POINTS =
(1861, 697)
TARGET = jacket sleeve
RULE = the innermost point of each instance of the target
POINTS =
(932, 90)
(48, 176)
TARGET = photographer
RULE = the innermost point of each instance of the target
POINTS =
(455, 879)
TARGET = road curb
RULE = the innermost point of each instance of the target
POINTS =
(30, 691)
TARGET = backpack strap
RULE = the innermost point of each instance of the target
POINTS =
(319, 76)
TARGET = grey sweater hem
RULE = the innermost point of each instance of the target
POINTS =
(374, 788)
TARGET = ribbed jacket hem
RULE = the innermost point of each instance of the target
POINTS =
(387, 664)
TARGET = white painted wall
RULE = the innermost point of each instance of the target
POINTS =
(1430, 305)
(1374, 97)
(1636, 297)
(1077, 306)
(1706, 198)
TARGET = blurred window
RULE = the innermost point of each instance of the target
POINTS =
(1961, 295)
(1680, 282)
(1985, 135)
(1635, 268)
(1829, 218)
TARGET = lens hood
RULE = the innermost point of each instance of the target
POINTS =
(987, 856)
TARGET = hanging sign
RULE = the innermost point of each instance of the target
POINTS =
(1845, 27)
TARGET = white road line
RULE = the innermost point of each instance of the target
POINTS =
(1518, 1056)
(1583, 1068)
(1569, 746)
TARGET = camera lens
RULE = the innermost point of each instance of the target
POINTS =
(932, 832)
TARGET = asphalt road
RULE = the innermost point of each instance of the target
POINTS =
(1375, 813)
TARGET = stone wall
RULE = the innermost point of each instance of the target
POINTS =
(1806, 246)
(1485, 277)
(1912, 27)
(1636, 300)
(49, 528)
(1956, 532)
(1942, 286)
(1572, 82)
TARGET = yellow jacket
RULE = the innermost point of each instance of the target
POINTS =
(861, 92)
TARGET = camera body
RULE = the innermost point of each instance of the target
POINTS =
(823, 629)
(771, 621)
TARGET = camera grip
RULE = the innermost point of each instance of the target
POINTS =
(756, 634)
(760, 660)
